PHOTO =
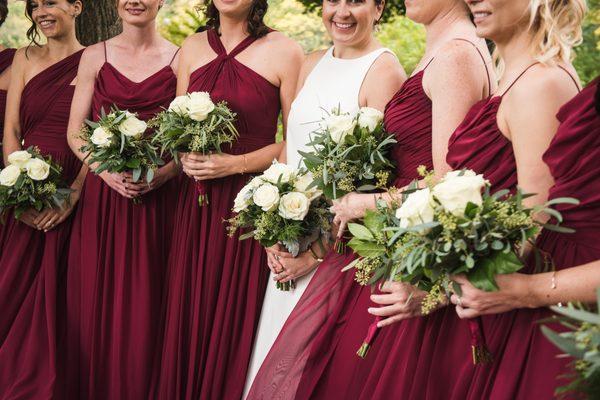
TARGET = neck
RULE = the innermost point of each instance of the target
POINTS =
(63, 47)
(515, 52)
(451, 23)
(355, 50)
(232, 30)
(140, 37)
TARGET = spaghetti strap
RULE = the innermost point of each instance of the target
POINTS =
(174, 55)
(487, 71)
(518, 77)
(572, 77)
(105, 56)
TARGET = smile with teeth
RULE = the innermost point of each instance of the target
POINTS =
(341, 25)
(481, 14)
(46, 23)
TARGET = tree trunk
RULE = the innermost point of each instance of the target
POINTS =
(99, 21)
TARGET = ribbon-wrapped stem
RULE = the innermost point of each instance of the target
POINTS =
(372, 334)
(202, 195)
(481, 354)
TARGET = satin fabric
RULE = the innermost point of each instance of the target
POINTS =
(117, 261)
(33, 263)
(216, 283)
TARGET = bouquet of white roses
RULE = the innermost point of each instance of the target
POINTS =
(581, 341)
(350, 153)
(117, 143)
(279, 206)
(453, 227)
(31, 180)
(194, 123)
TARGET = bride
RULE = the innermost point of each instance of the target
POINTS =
(355, 72)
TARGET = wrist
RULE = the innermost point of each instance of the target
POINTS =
(534, 289)
(241, 162)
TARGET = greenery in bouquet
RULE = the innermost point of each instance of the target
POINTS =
(280, 206)
(453, 227)
(117, 143)
(350, 152)
(31, 180)
(581, 340)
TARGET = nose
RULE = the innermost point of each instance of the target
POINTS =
(343, 10)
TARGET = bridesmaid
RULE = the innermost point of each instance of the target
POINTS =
(119, 249)
(452, 76)
(422, 114)
(357, 71)
(33, 250)
(216, 284)
(6, 59)
(504, 138)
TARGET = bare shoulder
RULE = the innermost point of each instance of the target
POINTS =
(458, 56)
(195, 42)
(387, 68)
(284, 46)
(92, 58)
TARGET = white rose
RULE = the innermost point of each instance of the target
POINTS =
(454, 192)
(37, 169)
(101, 137)
(19, 158)
(180, 105)
(132, 126)
(340, 126)
(199, 106)
(278, 171)
(255, 182)
(455, 174)
(294, 206)
(416, 209)
(369, 118)
(303, 182)
(242, 200)
(9, 175)
(266, 197)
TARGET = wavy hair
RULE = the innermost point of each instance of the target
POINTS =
(32, 33)
(3, 11)
(555, 27)
(256, 24)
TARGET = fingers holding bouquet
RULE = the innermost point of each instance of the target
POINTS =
(212, 166)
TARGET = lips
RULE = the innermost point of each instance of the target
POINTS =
(134, 11)
(343, 25)
(45, 24)
(480, 16)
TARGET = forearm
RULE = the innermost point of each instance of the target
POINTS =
(259, 160)
(576, 284)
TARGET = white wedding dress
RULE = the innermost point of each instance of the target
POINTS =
(334, 82)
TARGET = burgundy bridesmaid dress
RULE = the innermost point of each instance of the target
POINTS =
(399, 362)
(33, 263)
(216, 283)
(117, 261)
(525, 364)
(6, 59)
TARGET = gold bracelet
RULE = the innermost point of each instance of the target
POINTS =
(245, 168)
(314, 255)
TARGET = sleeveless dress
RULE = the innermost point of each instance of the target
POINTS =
(525, 364)
(6, 59)
(117, 261)
(216, 283)
(333, 82)
(33, 263)
(401, 355)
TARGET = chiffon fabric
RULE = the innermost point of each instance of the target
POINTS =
(216, 283)
(117, 261)
(526, 365)
(33, 263)
(6, 59)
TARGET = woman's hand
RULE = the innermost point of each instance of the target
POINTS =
(50, 218)
(350, 207)
(399, 301)
(274, 255)
(123, 184)
(212, 166)
(161, 176)
(514, 293)
(294, 268)
(28, 218)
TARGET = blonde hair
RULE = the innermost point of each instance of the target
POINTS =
(556, 27)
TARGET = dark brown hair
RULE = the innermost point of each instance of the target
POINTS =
(32, 33)
(3, 10)
(256, 24)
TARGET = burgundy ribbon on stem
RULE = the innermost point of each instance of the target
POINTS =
(372, 334)
(202, 196)
(481, 354)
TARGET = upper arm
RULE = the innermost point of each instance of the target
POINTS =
(384, 79)
(454, 82)
(186, 57)
(293, 57)
(12, 128)
(89, 65)
(527, 117)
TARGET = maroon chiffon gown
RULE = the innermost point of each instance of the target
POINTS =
(399, 361)
(117, 261)
(6, 59)
(525, 364)
(216, 283)
(33, 263)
